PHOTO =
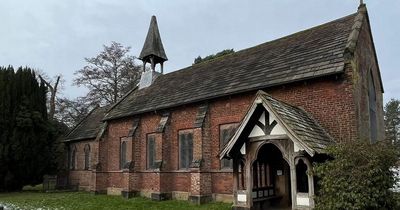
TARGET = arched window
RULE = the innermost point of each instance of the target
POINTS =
(151, 152)
(123, 154)
(301, 177)
(87, 156)
(372, 108)
(72, 160)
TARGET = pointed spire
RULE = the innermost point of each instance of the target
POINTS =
(362, 5)
(153, 50)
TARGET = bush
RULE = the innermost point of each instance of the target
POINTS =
(359, 176)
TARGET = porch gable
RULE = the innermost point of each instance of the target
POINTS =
(270, 118)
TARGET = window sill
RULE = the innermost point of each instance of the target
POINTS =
(80, 170)
(226, 170)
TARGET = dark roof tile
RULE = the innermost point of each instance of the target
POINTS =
(89, 127)
(307, 54)
(306, 129)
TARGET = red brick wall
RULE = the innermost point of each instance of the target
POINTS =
(228, 110)
(80, 176)
(112, 143)
(115, 179)
(338, 103)
(329, 100)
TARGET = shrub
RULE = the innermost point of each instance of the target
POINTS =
(359, 176)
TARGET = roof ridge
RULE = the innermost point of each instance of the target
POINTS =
(258, 45)
(295, 33)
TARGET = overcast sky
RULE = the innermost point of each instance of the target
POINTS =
(55, 35)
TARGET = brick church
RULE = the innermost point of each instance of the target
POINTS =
(242, 128)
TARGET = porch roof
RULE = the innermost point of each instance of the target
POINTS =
(301, 128)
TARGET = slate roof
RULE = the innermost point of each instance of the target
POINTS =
(311, 53)
(303, 126)
(300, 126)
(89, 127)
(153, 44)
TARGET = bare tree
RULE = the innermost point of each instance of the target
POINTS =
(70, 112)
(53, 89)
(109, 75)
(54, 86)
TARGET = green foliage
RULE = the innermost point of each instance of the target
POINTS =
(392, 120)
(358, 177)
(25, 133)
(199, 59)
(87, 201)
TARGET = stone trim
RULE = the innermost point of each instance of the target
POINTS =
(355, 31)
(163, 122)
(98, 192)
(129, 166)
(158, 196)
(129, 194)
(135, 125)
(200, 199)
(200, 116)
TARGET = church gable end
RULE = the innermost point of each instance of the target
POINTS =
(366, 79)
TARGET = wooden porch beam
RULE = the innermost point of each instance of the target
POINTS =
(269, 137)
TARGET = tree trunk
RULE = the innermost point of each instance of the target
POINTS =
(53, 92)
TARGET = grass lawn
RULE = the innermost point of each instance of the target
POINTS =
(82, 200)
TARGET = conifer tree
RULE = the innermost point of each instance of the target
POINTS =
(26, 135)
(392, 120)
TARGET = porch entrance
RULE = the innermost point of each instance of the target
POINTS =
(271, 179)
(272, 152)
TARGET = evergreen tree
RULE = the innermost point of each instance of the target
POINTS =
(26, 135)
(392, 120)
